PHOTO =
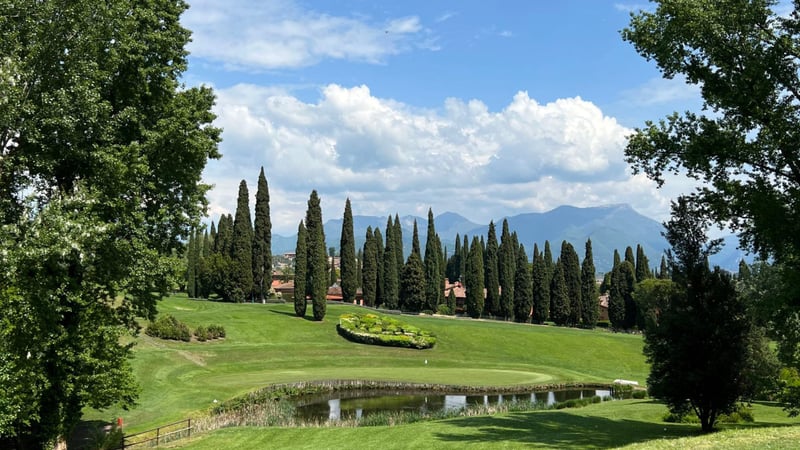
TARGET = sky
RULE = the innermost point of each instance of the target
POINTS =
(486, 111)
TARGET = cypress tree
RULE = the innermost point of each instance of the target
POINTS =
(541, 288)
(191, 266)
(201, 240)
(464, 257)
(629, 256)
(242, 247)
(213, 235)
(262, 240)
(664, 272)
(398, 245)
(412, 280)
(380, 284)
(451, 302)
(433, 255)
(332, 267)
(317, 276)
(572, 278)
(300, 271)
(491, 276)
(347, 256)
(391, 281)
(359, 273)
(452, 272)
(523, 288)
(616, 258)
(621, 308)
(549, 267)
(370, 270)
(559, 295)
(473, 280)
(590, 310)
(642, 265)
(506, 268)
(204, 284)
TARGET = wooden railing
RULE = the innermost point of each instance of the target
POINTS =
(158, 436)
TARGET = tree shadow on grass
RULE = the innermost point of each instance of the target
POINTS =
(86, 433)
(561, 430)
(291, 314)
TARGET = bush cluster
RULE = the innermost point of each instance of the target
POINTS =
(168, 327)
(381, 330)
(741, 413)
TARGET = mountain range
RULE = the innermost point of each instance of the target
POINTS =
(609, 227)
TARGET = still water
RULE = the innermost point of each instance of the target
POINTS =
(356, 404)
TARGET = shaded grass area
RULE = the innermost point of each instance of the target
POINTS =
(267, 344)
(635, 423)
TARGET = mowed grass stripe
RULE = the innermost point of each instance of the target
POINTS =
(267, 344)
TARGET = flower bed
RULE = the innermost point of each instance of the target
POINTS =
(373, 329)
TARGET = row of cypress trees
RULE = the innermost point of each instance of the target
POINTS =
(620, 283)
(234, 259)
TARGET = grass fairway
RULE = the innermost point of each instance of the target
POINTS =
(267, 344)
(628, 423)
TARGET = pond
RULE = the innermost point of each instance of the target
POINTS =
(359, 403)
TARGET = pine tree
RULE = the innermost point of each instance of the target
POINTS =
(370, 268)
(391, 281)
(262, 240)
(242, 247)
(300, 271)
(473, 280)
(347, 256)
(412, 280)
(590, 309)
(642, 265)
(559, 312)
(433, 281)
(523, 288)
(317, 276)
(491, 276)
(541, 288)
(506, 268)
(572, 278)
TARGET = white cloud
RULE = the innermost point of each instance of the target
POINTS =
(632, 7)
(391, 157)
(278, 34)
(658, 91)
(506, 33)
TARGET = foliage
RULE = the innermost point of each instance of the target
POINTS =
(523, 288)
(168, 327)
(506, 268)
(262, 240)
(208, 333)
(698, 347)
(590, 306)
(382, 330)
(391, 276)
(100, 439)
(412, 284)
(433, 276)
(300, 271)
(541, 288)
(473, 280)
(370, 268)
(491, 276)
(347, 256)
(242, 248)
(102, 151)
(317, 260)
(559, 309)
(572, 278)
(642, 265)
(745, 153)
(621, 307)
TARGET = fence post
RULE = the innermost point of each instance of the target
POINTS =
(158, 433)
(190, 427)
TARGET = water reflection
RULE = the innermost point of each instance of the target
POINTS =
(357, 404)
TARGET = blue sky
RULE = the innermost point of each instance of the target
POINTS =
(488, 111)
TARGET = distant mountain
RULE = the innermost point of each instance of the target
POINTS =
(610, 227)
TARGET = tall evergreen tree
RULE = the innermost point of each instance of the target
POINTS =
(506, 268)
(332, 266)
(572, 277)
(491, 276)
(347, 256)
(191, 266)
(370, 268)
(642, 265)
(541, 288)
(617, 259)
(523, 288)
(204, 285)
(300, 271)
(398, 245)
(452, 302)
(453, 263)
(462, 261)
(549, 267)
(391, 281)
(473, 280)
(262, 240)
(242, 247)
(200, 243)
(412, 280)
(317, 276)
(433, 255)
(359, 273)
(621, 307)
(559, 313)
(213, 235)
(629, 257)
(590, 309)
(380, 283)
(664, 272)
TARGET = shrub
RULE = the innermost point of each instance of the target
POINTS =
(168, 327)
(444, 310)
(380, 330)
(215, 332)
(639, 394)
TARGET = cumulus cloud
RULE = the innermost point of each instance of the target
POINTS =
(277, 34)
(392, 157)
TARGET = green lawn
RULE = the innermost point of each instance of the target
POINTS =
(634, 423)
(267, 344)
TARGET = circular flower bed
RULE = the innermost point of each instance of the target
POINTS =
(374, 329)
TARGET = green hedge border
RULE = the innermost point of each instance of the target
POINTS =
(374, 329)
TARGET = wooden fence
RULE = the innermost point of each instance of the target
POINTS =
(158, 436)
